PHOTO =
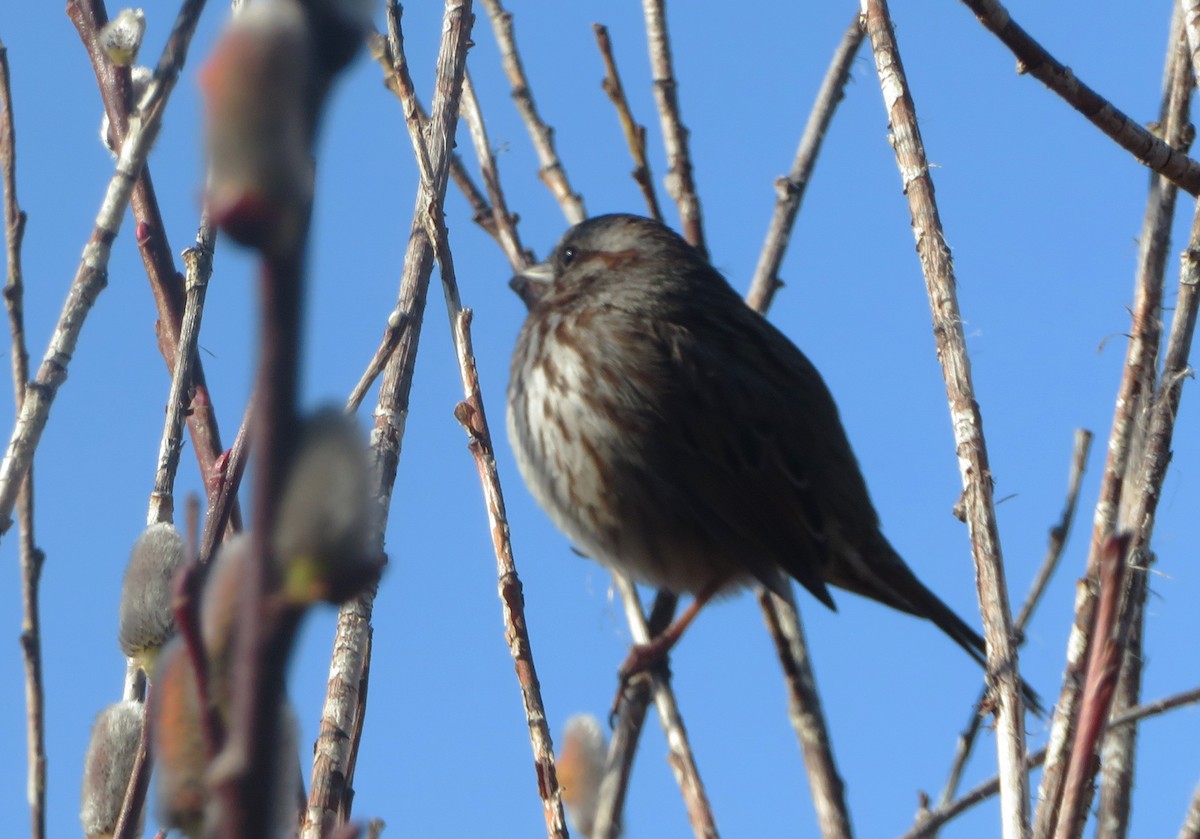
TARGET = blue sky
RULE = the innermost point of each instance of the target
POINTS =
(1041, 211)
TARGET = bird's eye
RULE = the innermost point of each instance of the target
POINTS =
(567, 257)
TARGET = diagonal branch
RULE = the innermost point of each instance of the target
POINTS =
(552, 173)
(1032, 58)
(977, 502)
(92, 274)
(789, 190)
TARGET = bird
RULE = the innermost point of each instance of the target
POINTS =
(675, 435)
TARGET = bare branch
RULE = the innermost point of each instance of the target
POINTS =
(681, 185)
(92, 273)
(789, 190)
(929, 821)
(552, 173)
(332, 754)
(166, 284)
(1119, 747)
(1133, 393)
(1100, 682)
(199, 268)
(679, 755)
(977, 501)
(806, 714)
(32, 558)
(504, 222)
(635, 134)
(470, 413)
(1032, 58)
(1054, 550)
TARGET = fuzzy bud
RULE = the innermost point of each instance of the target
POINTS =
(580, 764)
(180, 749)
(261, 103)
(121, 37)
(108, 766)
(147, 619)
(325, 534)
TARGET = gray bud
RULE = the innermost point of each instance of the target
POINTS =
(147, 619)
(324, 535)
(108, 767)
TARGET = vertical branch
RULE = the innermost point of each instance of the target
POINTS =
(1054, 551)
(470, 413)
(806, 714)
(199, 269)
(977, 501)
(350, 648)
(552, 173)
(32, 557)
(789, 190)
(1119, 746)
(1100, 681)
(679, 750)
(1128, 427)
(681, 186)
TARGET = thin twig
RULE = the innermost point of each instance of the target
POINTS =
(681, 185)
(679, 750)
(1100, 682)
(129, 822)
(1032, 58)
(622, 747)
(350, 649)
(977, 501)
(470, 413)
(806, 714)
(199, 268)
(397, 322)
(929, 821)
(789, 190)
(1054, 551)
(781, 615)
(635, 133)
(32, 558)
(503, 220)
(166, 284)
(389, 54)
(552, 173)
(92, 274)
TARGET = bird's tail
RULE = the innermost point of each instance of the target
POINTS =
(889, 580)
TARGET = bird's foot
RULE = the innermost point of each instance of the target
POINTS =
(642, 659)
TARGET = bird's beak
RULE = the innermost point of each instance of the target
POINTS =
(532, 283)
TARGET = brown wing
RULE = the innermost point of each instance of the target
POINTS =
(765, 458)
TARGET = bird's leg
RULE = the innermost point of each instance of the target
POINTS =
(643, 657)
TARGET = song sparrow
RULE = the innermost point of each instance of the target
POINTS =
(677, 436)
